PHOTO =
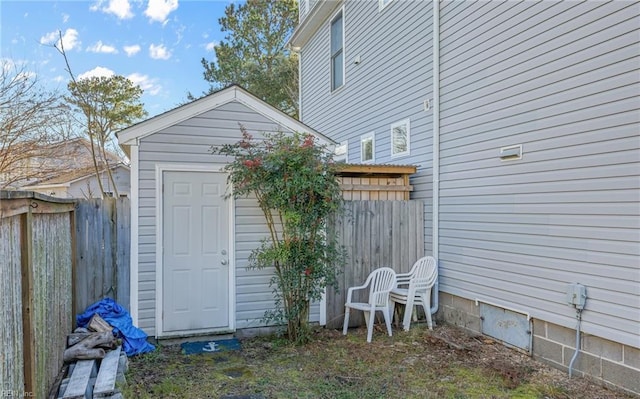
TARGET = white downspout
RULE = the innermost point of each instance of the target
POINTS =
(133, 249)
(436, 146)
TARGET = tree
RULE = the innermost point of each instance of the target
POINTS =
(32, 121)
(296, 186)
(253, 54)
(108, 104)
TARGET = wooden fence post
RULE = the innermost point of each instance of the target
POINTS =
(29, 344)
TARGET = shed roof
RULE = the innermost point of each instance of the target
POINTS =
(132, 134)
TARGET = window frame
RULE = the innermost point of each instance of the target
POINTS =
(339, 158)
(365, 137)
(336, 15)
(382, 4)
(404, 122)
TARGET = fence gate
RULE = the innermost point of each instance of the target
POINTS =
(375, 234)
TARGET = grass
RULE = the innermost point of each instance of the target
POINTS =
(420, 363)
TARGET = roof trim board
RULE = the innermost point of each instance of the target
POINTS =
(131, 135)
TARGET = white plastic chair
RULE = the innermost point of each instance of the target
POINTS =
(380, 282)
(414, 288)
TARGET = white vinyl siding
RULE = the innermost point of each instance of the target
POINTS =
(189, 142)
(561, 79)
(386, 86)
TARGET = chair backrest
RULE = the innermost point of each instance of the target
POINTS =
(423, 274)
(383, 280)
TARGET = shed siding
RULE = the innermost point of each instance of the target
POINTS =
(390, 84)
(189, 142)
(560, 78)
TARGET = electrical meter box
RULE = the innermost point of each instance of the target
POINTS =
(577, 295)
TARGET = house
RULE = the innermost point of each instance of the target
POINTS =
(190, 243)
(524, 121)
(66, 170)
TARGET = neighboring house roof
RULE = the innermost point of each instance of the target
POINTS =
(71, 161)
(132, 134)
(71, 176)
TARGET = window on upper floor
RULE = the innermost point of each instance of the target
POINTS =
(340, 153)
(400, 138)
(337, 50)
(383, 3)
(367, 148)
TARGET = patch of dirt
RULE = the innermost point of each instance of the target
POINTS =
(443, 363)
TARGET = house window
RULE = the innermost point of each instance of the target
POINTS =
(400, 138)
(340, 153)
(337, 51)
(367, 148)
(383, 3)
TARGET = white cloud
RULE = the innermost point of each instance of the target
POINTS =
(58, 79)
(69, 39)
(119, 8)
(49, 38)
(159, 10)
(159, 52)
(97, 72)
(211, 46)
(150, 86)
(132, 50)
(65, 18)
(100, 47)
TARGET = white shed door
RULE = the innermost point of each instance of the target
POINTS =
(195, 258)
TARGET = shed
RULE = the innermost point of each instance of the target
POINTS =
(189, 244)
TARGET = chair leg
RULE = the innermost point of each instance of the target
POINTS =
(366, 318)
(346, 320)
(387, 320)
(426, 305)
(408, 310)
(370, 317)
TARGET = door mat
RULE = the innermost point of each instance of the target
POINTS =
(190, 348)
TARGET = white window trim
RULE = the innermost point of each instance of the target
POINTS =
(346, 151)
(406, 122)
(382, 5)
(364, 137)
(344, 53)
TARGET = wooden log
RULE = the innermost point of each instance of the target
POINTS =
(88, 348)
(74, 338)
(98, 324)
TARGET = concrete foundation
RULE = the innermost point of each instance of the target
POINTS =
(607, 362)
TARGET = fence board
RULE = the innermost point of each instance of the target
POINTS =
(102, 253)
(52, 260)
(11, 345)
(374, 234)
(52, 287)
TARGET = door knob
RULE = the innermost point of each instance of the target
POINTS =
(223, 261)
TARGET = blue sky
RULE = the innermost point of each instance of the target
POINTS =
(158, 44)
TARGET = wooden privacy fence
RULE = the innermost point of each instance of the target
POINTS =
(36, 255)
(57, 256)
(102, 232)
(375, 234)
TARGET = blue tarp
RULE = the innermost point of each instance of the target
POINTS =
(134, 340)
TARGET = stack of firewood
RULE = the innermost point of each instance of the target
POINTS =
(91, 342)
